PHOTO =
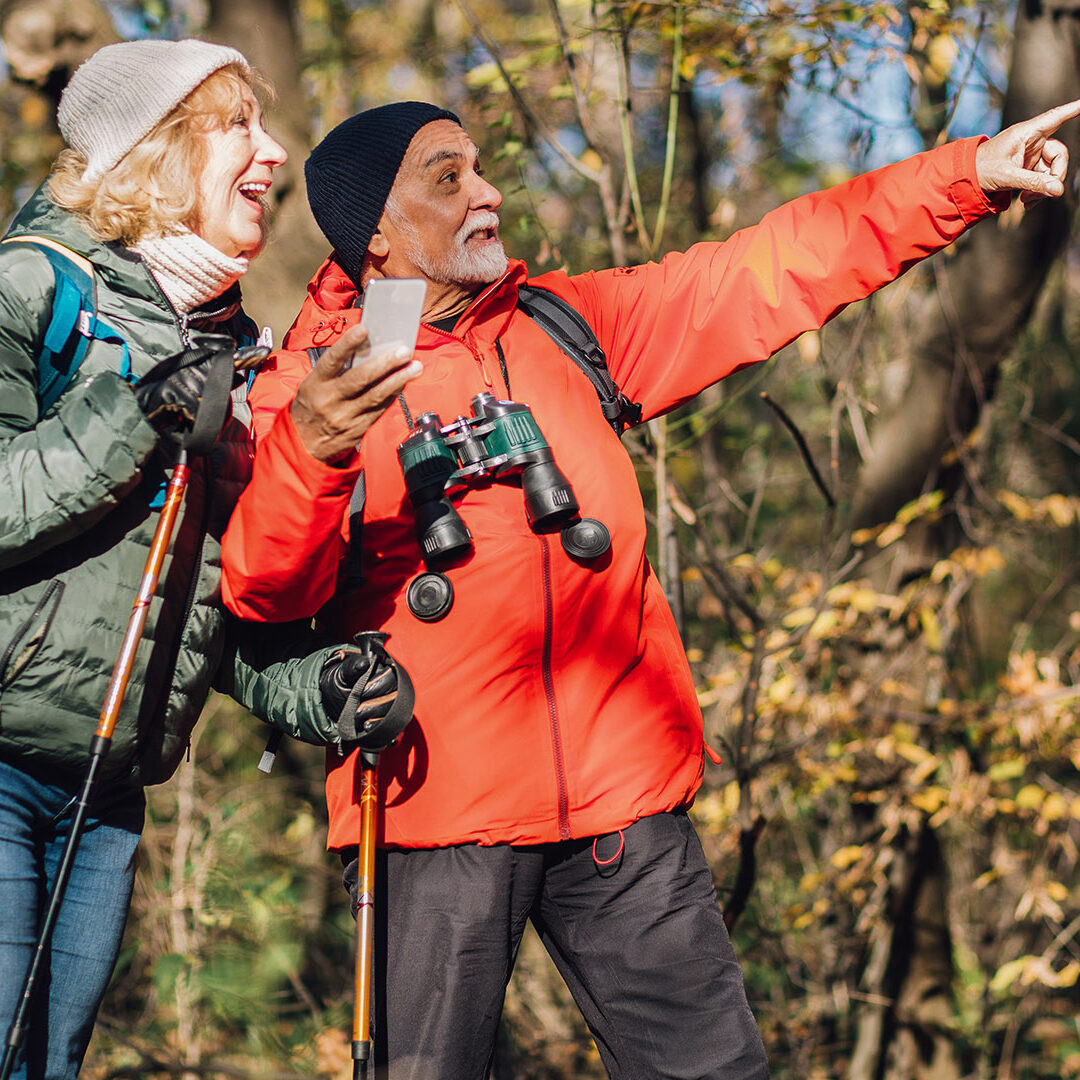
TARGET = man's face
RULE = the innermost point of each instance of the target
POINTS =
(440, 221)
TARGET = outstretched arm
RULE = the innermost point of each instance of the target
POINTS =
(1025, 158)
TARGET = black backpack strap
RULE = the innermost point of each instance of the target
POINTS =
(573, 335)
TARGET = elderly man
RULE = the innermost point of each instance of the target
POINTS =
(557, 741)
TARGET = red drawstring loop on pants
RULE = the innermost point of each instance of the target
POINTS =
(614, 858)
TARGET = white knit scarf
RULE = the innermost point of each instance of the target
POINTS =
(189, 270)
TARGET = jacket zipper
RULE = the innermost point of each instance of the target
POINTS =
(549, 692)
(20, 634)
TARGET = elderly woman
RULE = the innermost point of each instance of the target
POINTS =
(159, 198)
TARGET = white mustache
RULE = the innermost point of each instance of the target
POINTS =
(482, 219)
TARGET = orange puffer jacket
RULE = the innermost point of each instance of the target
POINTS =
(554, 700)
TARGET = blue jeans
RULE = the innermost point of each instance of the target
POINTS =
(35, 817)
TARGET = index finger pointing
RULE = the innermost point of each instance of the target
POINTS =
(1048, 122)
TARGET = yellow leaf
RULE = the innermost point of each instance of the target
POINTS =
(1068, 975)
(1008, 973)
(931, 629)
(988, 561)
(923, 771)
(890, 534)
(864, 600)
(781, 689)
(845, 856)
(591, 160)
(1019, 507)
(940, 55)
(1006, 770)
(1057, 891)
(920, 507)
(798, 617)
(1030, 797)
(825, 622)
(864, 536)
(1061, 510)
(486, 76)
(34, 111)
(942, 569)
(914, 753)
(1054, 807)
(931, 800)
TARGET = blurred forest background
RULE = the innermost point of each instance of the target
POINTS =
(870, 540)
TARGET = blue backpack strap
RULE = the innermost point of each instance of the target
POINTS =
(74, 323)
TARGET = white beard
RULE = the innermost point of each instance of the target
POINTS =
(462, 266)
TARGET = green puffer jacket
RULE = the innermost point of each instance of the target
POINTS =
(76, 524)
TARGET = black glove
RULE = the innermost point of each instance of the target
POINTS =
(366, 693)
(190, 386)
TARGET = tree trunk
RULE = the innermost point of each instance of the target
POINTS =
(904, 1029)
(984, 298)
(985, 295)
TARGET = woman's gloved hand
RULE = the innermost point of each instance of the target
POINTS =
(173, 393)
(366, 693)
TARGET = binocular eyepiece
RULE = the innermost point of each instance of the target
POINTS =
(500, 439)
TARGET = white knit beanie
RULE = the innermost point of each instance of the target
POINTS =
(118, 96)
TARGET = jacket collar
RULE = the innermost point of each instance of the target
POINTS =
(333, 304)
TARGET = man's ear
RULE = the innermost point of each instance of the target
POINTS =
(378, 245)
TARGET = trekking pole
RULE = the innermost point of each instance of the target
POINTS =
(205, 426)
(99, 746)
(365, 914)
(374, 735)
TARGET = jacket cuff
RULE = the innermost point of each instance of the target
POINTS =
(317, 476)
(967, 196)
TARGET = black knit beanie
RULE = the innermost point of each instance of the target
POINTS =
(350, 173)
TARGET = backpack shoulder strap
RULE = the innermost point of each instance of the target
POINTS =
(73, 324)
(563, 323)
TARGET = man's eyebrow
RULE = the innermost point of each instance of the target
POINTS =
(447, 155)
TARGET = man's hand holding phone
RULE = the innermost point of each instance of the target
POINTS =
(354, 381)
(348, 389)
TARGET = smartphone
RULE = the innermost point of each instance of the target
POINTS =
(391, 313)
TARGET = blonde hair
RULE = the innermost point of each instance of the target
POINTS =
(151, 190)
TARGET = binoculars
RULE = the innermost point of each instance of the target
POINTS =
(500, 439)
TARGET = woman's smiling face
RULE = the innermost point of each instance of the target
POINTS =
(241, 158)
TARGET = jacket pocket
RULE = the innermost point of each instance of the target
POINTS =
(28, 637)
